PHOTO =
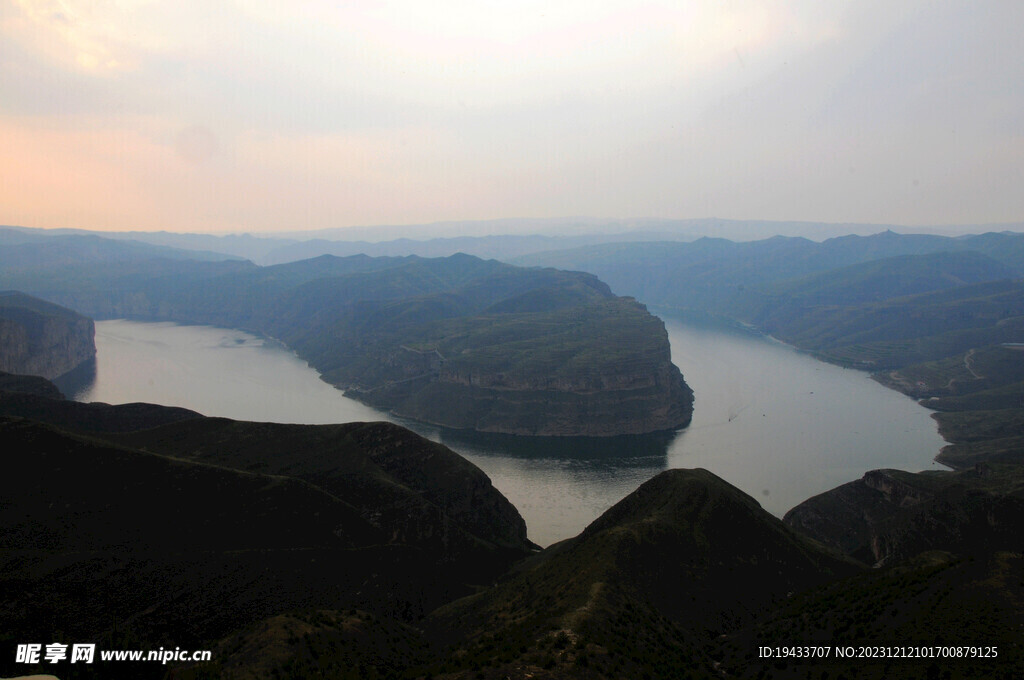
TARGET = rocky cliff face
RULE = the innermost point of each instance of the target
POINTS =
(39, 338)
(604, 370)
(664, 404)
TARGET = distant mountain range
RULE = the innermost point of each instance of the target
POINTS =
(879, 302)
(501, 239)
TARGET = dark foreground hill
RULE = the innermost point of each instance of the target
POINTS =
(343, 552)
(179, 534)
(890, 515)
(685, 578)
(937, 615)
(644, 589)
(458, 341)
(41, 338)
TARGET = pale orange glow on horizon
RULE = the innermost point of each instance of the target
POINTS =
(255, 116)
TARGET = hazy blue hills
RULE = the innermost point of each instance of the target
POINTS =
(731, 278)
(501, 238)
(891, 277)
(203, 246)
(896, 331)
(33, 249)
(500, 247)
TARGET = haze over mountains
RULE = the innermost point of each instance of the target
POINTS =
(362, 549)
(500, 239)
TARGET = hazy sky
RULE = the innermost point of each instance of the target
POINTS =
(267, 116)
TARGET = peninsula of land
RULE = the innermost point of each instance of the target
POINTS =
(457, 341)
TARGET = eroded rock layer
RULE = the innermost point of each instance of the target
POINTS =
(39, 338)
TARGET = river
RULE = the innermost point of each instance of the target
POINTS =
(770, 420)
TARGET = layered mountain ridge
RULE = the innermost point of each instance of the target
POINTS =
(458, 342)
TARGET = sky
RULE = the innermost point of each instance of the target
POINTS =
(263, 116)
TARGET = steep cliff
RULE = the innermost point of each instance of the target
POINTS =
(39, 338)
(598, 370)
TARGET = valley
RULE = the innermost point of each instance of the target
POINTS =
(511, 341)
(411, 563)
(778, 424)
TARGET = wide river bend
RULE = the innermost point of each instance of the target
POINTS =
(770, 420)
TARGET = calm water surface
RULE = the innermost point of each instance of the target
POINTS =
(774, 422)
(783, 426)
(215, 371)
